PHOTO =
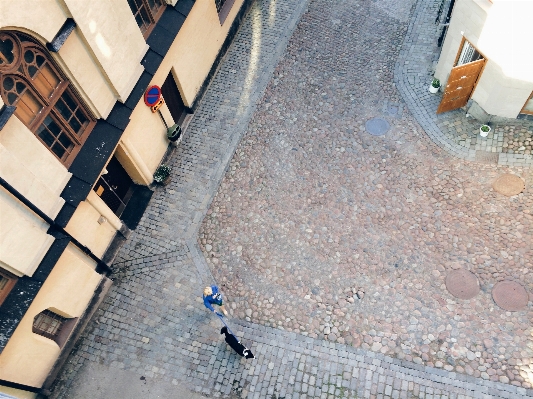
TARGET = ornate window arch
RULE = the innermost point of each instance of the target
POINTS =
(44, 98)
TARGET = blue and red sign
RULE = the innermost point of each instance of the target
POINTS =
(152, 96)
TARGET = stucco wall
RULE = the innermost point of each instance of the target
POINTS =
(85, 227)
(28, 357)
(191, 56)
(23, 238)
(36, 167)
(86, 74)
(500, 31)
(43, 17)
(114, 38)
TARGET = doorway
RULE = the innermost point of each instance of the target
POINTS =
(463, 78)
(528, 106)
(172, 97)
(115, 187)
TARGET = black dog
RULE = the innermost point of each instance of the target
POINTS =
(236, 345)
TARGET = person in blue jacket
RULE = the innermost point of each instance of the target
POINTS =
(213, 297)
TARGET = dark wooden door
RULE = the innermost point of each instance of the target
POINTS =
(460, 85)
(115, 187)
(173, 99)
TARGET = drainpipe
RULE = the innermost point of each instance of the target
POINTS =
(101, 265)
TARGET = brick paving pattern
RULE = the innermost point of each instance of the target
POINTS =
(313, 213)
(509, 142)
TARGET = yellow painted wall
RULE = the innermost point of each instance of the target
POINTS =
(23, 238)
(191, 56)
(36, 161)
(43, 17)
(85, 228)
(114, 38)
(17, 393)
(28, 357)
(196, 47)
(500, 31)
(85, 73)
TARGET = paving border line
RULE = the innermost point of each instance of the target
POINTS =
(259, 91)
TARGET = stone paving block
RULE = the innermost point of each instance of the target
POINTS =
(161, 267)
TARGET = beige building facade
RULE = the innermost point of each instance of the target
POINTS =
(82, 132)
(495, 34)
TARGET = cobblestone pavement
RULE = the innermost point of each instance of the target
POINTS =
(317, 172)
(509, 143)
(314, 209)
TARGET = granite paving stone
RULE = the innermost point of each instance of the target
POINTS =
(330, 245)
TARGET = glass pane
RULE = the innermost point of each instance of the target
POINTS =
(65, 140)
(32, 70)
(11, 98)
(58, 150)
(75, 125)
(529, 106)
(133, 6)
(3, 282)
(6, 51)
(69, 101)
(63, 109)
(52, 126)
(20, 87)
(9, 83)
(81, 117)
(139, 21)
(29, 56)
(45, 135)
(144, 15)
(40, 60)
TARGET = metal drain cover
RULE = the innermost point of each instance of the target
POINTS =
(509, 185)
(377, 126)
(462, 284)
(510, 296)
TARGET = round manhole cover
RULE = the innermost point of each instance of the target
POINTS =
(462, 284)
(510, 295)
(377, 126)
(509, 185)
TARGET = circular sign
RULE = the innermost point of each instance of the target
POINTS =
(152, 95)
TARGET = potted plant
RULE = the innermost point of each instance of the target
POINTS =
(162, 174)
(484, 130)
(434, 86)
(174, 132)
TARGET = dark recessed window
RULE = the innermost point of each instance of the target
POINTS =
(53, 326)
(7, 282)
(44, 99)
(146, 13)
(223, 9)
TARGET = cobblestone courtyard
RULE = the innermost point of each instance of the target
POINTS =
(281, 197)
(314, 209)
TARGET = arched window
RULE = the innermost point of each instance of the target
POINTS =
(44, 99)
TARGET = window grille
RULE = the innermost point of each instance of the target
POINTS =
(146, 13)
(48, 324)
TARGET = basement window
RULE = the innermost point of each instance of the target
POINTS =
(223, 9)
(53, 326)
